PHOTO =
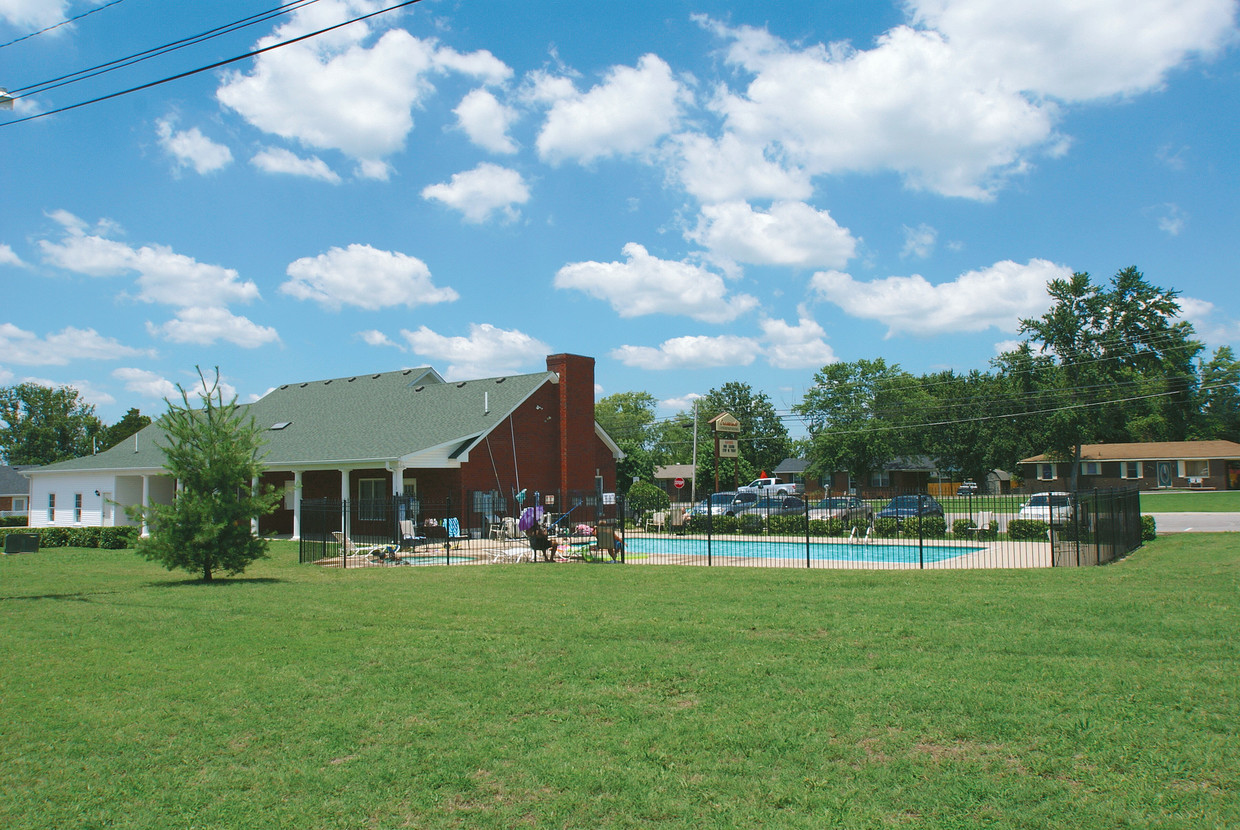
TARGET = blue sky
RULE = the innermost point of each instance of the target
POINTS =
(692, 193)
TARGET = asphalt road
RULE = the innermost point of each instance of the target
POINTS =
(1196, 522)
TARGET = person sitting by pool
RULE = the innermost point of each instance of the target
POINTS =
(541, 542)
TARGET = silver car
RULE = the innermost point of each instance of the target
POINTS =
(841, 507)
(1052, 508)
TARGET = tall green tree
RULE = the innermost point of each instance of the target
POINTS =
(1219, 416)
(763, 439)
(41, 425)
(134, 421)
(859, 416)
(1123, 363)
(628, 417)
(213, 451)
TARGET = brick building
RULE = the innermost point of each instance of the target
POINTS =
(470, 443)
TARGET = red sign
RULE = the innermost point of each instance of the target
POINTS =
(680, 482)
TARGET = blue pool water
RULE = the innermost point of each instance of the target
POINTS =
(898, 552)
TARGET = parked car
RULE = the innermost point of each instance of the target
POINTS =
(716, 504)
(969, 488)
(841, 507)
(772, 486)
(772, 506)
(1053, 508)
(739, 503)
(910, 507)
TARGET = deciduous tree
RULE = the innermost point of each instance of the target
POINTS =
(41, 425)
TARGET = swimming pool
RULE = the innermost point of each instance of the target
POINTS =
(895, 552)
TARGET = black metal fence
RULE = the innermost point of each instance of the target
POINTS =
(882, 529)
(410, 530)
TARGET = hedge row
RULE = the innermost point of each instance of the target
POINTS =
(109, 538)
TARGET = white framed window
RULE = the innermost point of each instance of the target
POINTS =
(19, 504)
(77, 507)
(1130, 469)
(1046, 472)
(880, 479)
(51, 507)
(1091, 468)
(1194, 468)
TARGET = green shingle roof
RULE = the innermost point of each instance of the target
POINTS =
(365, 418)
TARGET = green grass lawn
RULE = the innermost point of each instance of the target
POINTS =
(1219, 501)
(622, 696)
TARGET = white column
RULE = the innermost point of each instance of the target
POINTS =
(146, 504)
(254, 492)
(344, 485)
(398, 481)
(296, 504)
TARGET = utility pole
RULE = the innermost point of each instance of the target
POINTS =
(693, 479)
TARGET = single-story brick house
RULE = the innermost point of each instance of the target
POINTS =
(1155, 465)
(14, 490)
(407, 433)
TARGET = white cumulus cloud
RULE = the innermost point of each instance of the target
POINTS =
(624, 115)
(800, 346)
(364, 277)
(994, 297)
(8, 257)
(337, 92)
(146, 383)
(205, 326)
(59, 348)
(279, 160)
(486, 352)
(481, 192)
(190, 148)
(486, 121)
(644, 284)
(790, 233)
(691, 352)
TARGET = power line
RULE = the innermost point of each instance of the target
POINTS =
(157, 51)
(208, 68)
(61, 23)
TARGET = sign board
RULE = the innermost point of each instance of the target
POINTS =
(609, 498)
(726, 422)
(680, 482)
(729, 448)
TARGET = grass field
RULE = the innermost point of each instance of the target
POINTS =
(589, 696)
(1221, 501)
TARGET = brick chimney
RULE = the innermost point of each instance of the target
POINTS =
(576, 450)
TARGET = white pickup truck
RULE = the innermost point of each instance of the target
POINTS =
(772, 487)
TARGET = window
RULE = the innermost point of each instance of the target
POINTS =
(19, 504)
(77, 507)
(880, 479)
(1091, 468)
(1130, 469)
(1195, 468)
(1046, 472)
(371, 499)
(51, 507)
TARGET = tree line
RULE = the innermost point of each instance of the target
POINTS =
(42, 425)
(1107, 363)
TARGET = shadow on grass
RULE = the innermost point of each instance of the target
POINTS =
(80, 596)
(219, 581)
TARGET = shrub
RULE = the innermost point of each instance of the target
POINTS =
(749, 524)
(932, 527)
(788, 525)
(1026, 529)
(118, 538)
(54, 537)
(645, 497)
(963, 527)
(1149, 529)
(82, 537)
(886, 528)
(12, 521)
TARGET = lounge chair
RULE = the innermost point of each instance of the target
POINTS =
(657, 520)
(409, 537)
(512, 554)
(349, 548)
